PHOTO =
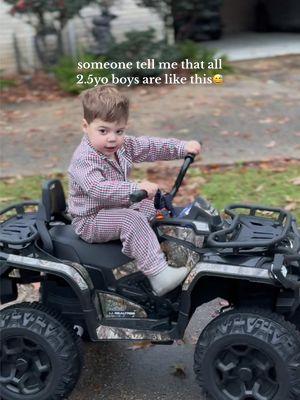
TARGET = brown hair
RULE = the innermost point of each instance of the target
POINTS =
(106, 103)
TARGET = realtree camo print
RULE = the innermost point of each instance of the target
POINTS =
(110, 333)
(114, 306)
(178, 255)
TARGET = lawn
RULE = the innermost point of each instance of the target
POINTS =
(266, 184)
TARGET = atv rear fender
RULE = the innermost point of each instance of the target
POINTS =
(75, 276)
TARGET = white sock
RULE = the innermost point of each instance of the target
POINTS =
(167, 280)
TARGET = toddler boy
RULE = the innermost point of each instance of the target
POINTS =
(99, 188)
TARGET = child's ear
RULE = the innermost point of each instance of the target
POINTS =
(84, 125)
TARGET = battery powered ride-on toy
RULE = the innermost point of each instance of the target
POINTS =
(250, 256)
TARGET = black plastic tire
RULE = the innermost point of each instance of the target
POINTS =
(249, 354)
(41, 356)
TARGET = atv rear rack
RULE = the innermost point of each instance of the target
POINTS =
(252, 231)
(18, 228)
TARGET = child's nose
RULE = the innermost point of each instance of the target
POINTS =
(112, 137)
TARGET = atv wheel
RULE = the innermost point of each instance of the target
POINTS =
(249, 355)
(40, 354)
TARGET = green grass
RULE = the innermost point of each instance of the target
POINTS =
(252, 185)
(6, 83)
(234, 185)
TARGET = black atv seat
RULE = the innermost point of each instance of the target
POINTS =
(67, 245)
(60, 239)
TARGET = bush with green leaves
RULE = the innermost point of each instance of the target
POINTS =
(139, 46)
(6, 82)
(66, 72)
(196, 52)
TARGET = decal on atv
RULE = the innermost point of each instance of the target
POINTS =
(114, 306)
(179, 255)
(125, 270)
(183, 233)
(233, 271)
(112, 332)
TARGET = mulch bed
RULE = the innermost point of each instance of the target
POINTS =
(34, 88)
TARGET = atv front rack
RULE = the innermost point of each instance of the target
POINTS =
(17, 225)
(247, 231)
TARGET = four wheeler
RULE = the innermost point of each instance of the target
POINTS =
(250, 257)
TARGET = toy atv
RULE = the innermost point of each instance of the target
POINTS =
(250, 257)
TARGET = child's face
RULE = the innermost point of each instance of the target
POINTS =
(106, 137)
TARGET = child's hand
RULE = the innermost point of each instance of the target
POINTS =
(150, 187)
(193, 147)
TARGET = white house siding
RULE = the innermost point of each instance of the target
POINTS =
(10, 26)
(130, 16)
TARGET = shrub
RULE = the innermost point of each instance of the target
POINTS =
(67, 73)
(139, 46)
(196, 52)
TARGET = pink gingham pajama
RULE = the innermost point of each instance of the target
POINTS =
(99, 192)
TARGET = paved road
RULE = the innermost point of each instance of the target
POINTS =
(253, 116)
(113, 370)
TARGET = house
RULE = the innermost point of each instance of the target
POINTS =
(17, 45)
(17, 37)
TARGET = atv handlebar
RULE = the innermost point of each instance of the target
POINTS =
(139, 195)
(188, 160)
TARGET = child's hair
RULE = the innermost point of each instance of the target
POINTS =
(106, 103)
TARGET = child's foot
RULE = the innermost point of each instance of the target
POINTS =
(167, 280)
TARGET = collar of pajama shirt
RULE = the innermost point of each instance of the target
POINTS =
(121, 165)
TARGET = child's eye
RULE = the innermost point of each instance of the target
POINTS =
(102, 131)
(120, 132)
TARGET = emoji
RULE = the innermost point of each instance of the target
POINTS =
(218, 79)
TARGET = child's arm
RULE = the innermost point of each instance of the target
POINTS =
(147, 148)
(86, 173)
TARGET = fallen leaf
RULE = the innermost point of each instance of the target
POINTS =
(140, 345)
(271, 144)
(283, 120)
(184, 130)
(266, 121)
(179, 371)
(4, 199)
(291, 207)
(259, 188)
(295, 181)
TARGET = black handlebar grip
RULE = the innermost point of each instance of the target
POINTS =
(138, 195)
(191, 156)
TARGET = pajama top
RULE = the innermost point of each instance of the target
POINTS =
(97, 182)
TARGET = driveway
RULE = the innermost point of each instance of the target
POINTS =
(253, 116)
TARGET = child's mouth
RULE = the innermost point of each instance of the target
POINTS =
(111, 148)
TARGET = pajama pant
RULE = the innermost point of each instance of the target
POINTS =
(131, 226)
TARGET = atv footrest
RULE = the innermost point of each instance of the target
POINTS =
(18, 226)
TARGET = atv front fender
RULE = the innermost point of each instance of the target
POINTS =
(261, 275)
(196, 292)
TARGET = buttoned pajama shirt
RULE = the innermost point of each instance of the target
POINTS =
(99, 202)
